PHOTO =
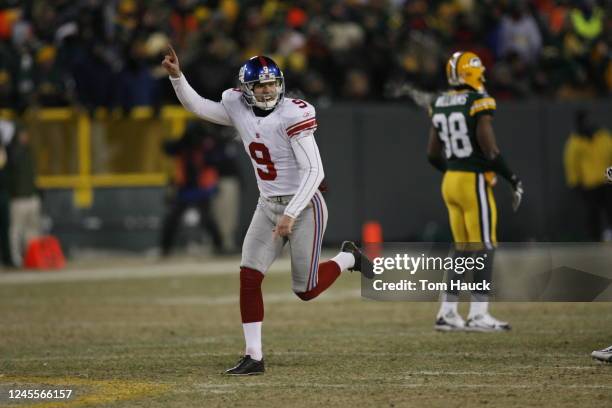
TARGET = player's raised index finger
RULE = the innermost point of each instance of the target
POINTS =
(171, 51)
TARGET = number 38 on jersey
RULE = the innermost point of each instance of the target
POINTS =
(453, 131)
(454, 116)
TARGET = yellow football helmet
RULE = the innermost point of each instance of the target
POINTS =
(465, 68)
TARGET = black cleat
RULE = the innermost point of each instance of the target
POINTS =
(362, 262)
(247, 366)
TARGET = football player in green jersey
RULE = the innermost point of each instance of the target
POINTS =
(462, 145)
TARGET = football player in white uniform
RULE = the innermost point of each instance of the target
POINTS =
(278, 136)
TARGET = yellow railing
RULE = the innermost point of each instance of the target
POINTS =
(78, 151)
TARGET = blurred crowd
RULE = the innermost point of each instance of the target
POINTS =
(107, 53)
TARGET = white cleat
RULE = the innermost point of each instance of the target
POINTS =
(450, 321)
(485, 323)
(604, 355)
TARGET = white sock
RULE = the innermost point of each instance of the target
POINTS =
(344, 260)
(252, 337)
(478, 308)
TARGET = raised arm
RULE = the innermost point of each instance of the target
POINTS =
(206, 109)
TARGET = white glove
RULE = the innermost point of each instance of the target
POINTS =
(517, 195)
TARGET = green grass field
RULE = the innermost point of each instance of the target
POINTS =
(143, 334)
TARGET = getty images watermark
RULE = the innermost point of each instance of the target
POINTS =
(506, 271)
(411, 264)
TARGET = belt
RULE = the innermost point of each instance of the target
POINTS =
(279, 199)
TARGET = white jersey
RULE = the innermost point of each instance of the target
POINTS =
(281, 145)
(267, 140)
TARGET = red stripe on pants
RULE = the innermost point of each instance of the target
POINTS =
(251, 299)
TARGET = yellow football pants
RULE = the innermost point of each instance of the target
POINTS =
(471, 207)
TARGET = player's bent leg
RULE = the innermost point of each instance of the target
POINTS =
(305, 244)
(349, 258)
(327, 274)
(309, 277)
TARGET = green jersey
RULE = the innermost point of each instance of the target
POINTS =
(454, 116)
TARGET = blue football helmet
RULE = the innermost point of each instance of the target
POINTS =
(261, 70)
